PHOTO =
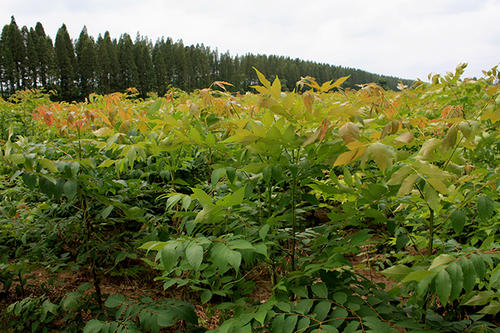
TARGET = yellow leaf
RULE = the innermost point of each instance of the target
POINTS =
(339, 81)
(276, 88)
(265, 82)
(261, 89)
(312, 138)
(398, 176)
(406, 137)
(450, 140)
(48, 164)
(345, 158)
(438, 185)
(103, 131)
(407, 185)
(349, 132)
(349, 156)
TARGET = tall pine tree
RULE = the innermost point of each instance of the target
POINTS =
(86, 63)
(65, 58)
(128, 70)
(18, 53)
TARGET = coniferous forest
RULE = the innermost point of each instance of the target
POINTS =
(30, 59)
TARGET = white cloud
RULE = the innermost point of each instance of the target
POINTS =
(406, 38)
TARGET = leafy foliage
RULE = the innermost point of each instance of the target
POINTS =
(212, 194)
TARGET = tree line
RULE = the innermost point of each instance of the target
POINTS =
(29, 59)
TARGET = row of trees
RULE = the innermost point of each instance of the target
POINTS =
(29, 60)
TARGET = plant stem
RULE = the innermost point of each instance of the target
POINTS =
(96, 281)
(294, 217)
(431, 229)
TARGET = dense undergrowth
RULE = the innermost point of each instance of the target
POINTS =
(211, 194)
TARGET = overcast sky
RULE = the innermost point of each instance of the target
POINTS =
(404, 38)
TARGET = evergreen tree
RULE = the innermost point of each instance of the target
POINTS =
(18, 53)
(65, 57)
(128, 70)
(160, 66)
(144, 64)
(45, 56)
(29, 59)
(7, 65)
(107, 64)
(33, 64)
(86, 63)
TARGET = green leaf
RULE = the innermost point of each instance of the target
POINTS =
(481, 298)
(352, 327)
(233, 199)
(432, 198)
(376, 324)
(340, 297)
(240, 244)
(205, 296)
(234, 259)
(134, 213)
(458, 220)
(93, 326)
(263, 231)
(48, 186)
(202, 197)
(418, 275)
(338, 315)
(321, 310)
(320, 290)
(485, 207)
(423, 285)
(440, 260)
(48, 164)
(231, 174)
(443, 286)
(106, 163)
(495, 278)
(493, 308)
(106, 211)
(194, 255)
(114, 301)
(329, 328)
(304, 306)
(184, 311)
(290, 323)
(397, 272)
(479, 265)
(398, 176)
(217, 174)
(166, 319)
(303, 324)
(173, 200)
(278, 324)
(457, 280)
(70, 189)
(29, 179)
(169, 256)
(469, 274)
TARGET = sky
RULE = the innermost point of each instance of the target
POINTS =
(404, 38)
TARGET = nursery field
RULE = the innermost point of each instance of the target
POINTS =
(318, 210)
